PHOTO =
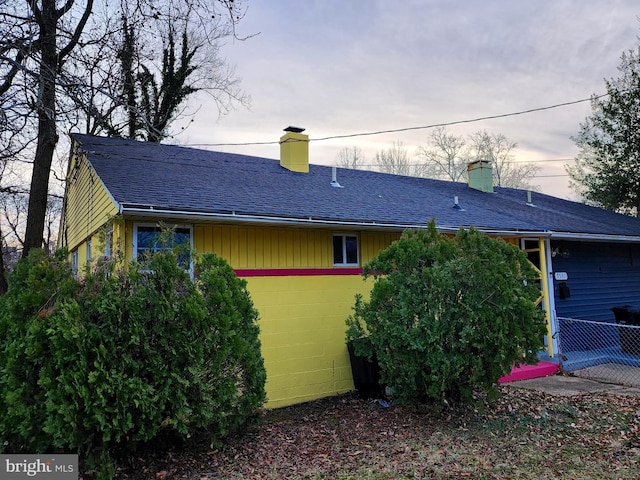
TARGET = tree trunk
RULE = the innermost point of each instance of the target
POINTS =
(47, 133)
(3, 280)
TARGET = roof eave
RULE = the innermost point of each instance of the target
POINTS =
(151, 211)
(237, 217)
(593, 237)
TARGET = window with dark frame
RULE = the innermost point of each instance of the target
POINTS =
(345, 250)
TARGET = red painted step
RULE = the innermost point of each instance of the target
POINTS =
(524, 372)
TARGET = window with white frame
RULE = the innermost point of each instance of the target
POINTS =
(345, 250)
(148, 239)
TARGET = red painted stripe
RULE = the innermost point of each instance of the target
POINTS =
(296, 272)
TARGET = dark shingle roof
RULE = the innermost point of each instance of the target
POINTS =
(200, 181)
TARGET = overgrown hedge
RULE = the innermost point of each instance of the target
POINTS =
(128, 353)
(447, 317)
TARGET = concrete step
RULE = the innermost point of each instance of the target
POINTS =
(525, 372)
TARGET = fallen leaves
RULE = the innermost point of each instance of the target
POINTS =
(525, 434)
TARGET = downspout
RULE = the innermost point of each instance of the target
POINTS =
(552, 300)
(122, 233)
(544, 275)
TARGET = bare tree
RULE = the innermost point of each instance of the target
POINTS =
(3, 244)
(52, 220)
(158, 58)
(14, 212)
(13, 208)
(59, 65)
(396, 160)
(446, 157)
(498, 150)
(14, 204)
(351, 157)
(3, 279)
(38, 38)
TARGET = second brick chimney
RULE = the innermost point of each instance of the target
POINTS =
(480, 175)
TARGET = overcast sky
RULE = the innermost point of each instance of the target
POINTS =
(339, 67)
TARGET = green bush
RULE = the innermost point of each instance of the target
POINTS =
(448, 316)
(37, 285)
(129, 353)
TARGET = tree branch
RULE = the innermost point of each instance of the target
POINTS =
(76, 34)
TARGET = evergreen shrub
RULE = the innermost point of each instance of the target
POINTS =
(448, 316)
(130, 352)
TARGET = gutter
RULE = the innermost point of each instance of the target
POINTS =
(151, 211)
(593, 237)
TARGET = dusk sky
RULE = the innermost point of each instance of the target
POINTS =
(338, 67)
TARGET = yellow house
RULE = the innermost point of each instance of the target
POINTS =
(299, 233)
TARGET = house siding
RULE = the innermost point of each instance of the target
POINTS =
(302, 330)
(88, 205)
(303, 300)
(271, 247)
(600, 276)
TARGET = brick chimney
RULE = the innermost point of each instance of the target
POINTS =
(294, 150)
(480, 175)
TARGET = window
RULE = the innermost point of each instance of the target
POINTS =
(531, 246)
(345, 250)
(108, 243)
(147, 239)
(88, 251)
(74, 263)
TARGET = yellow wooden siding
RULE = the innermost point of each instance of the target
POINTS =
(302, 314)
(302, 317)
(372, 243)
(88, 204)
(247, 247)
(126, 239)
(97, 250)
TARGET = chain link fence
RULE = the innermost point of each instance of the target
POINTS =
(603, 351)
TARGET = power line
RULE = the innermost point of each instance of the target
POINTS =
(543, 161)
(407, 129)
(551, 176)
(413, 165)
(447, 124)
(513, 162)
